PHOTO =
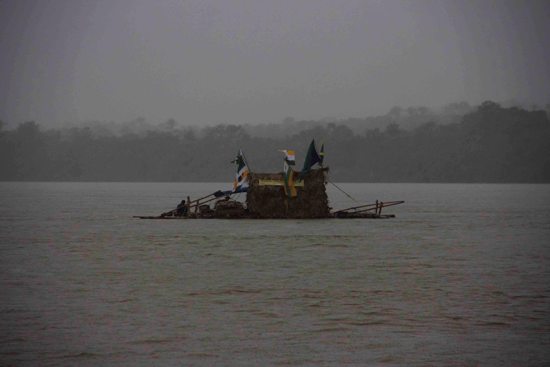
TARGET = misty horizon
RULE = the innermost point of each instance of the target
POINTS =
(485, 143)
(450, 112)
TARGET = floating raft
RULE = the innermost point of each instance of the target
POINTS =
(352, 216)
(267, 198)
(368, 211)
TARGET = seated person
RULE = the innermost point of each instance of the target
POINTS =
(181, 209)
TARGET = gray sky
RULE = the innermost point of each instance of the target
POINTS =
(204, 62)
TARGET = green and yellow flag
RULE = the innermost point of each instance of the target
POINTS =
(290, 160)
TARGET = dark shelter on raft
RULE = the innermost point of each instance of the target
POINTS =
(265, 199)
(289, 194)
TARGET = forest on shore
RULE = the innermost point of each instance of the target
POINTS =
(485, 143)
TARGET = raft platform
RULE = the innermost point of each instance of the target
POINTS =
(368, 211)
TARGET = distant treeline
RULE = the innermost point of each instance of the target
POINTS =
(487, 143)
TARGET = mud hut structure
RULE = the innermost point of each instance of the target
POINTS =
(266, 196)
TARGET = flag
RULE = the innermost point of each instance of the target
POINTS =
(240, 184)
(290, 156)
(311, 158)
(290, 160)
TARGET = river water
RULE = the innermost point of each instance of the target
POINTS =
(461, 277)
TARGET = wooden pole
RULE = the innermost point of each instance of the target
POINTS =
(376, 207)
(204, 197)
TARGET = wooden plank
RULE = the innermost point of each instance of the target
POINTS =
(269, 182)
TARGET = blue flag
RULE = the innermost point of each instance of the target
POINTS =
(312, 157)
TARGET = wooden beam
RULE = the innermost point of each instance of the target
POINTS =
(270, 182)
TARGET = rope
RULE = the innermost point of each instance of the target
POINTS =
(345, 193)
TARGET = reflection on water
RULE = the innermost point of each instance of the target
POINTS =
(460, 277)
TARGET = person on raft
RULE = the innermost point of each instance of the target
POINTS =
(180, 211)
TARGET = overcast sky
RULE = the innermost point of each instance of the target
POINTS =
(204, 62)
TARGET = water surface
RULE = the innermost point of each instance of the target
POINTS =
(460, 277)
